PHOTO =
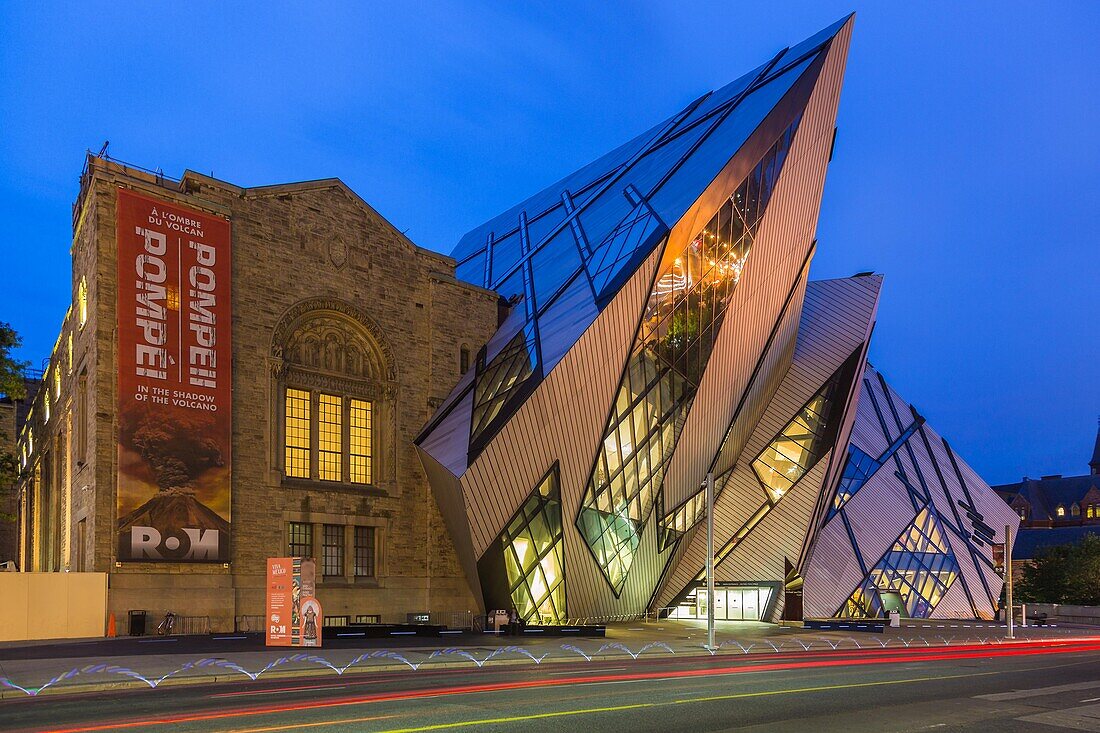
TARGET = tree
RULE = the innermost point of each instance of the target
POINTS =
(11, 369)
(1064, 574)
(12, 387)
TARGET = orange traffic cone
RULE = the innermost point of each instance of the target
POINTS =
(111, 626)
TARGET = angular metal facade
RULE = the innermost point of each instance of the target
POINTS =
(909, 525)
(660, 327)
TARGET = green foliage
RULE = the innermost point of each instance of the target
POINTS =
(1064, 574)
(11, 385)
(11, 370)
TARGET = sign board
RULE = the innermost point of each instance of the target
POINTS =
(999, 557)
(174, 382)
(294, 616)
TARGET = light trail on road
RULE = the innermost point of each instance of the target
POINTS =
(745, 666)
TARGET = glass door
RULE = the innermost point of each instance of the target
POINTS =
(751, 603)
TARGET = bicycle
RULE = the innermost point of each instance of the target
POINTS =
(166, 626)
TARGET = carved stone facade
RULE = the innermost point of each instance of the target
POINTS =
(328, 298)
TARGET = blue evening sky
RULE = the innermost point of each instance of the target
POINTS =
(967, 166)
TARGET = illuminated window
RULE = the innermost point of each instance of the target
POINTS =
(364, 552)
(1091, 512)
(57, 382)
(534, 556)
(46, 407)
(329, 453)
(1075, 510)
(919, 569)
(1060, 511)
(332, 550)
(300, 539)
(680, 324)
(82, 301)
(70, 351)
(297, 433)
(359, 443)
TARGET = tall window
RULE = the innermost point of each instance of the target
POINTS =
(297, 433)
(82, 418)
(1092, 511)
(82, 301)
(463, 360)
(300, 539)
(70, 351)
(332, 550)
(329, 452)
(1060, 511)
(1075, 510)
(364, 552)
(359, 434)
(345, 437)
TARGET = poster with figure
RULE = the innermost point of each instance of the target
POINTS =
(174, 382)
(294, 616)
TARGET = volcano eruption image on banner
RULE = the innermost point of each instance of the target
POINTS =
(175, 388)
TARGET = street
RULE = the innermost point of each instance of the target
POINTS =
(1027, 686)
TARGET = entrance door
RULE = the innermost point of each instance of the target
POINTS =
(752, 605)
(736, 604)
(721, 608)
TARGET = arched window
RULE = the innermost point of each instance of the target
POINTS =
(334, 385)
(1075, 509)
(1060, 511)
(1023, 514)
(464, 359)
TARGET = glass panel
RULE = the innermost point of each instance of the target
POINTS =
(332, 550)
(918, 569)
(329, 443)
(672, 348)
(360, 415)
(296, 429)
(364, 552)
(497, 380)
(533, 551)
(300, 539)
(860, 467)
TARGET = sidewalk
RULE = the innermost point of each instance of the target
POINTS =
(146, 662)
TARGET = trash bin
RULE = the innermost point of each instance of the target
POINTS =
(137, 623)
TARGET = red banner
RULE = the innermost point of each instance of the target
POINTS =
(174, 382)
(294, 616)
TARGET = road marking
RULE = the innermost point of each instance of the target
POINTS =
(1091, 699)
(573, 671)
(1039, 691)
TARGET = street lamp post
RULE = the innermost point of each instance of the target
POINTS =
(710, 560)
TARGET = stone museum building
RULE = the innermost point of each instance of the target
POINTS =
(345, 337)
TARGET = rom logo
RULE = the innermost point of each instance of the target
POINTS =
(147, 543)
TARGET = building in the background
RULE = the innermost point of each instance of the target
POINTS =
(241, 376)
(662, 329)
(1056, 509)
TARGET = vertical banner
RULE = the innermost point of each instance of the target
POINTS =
(294, 616)
(174, 382)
